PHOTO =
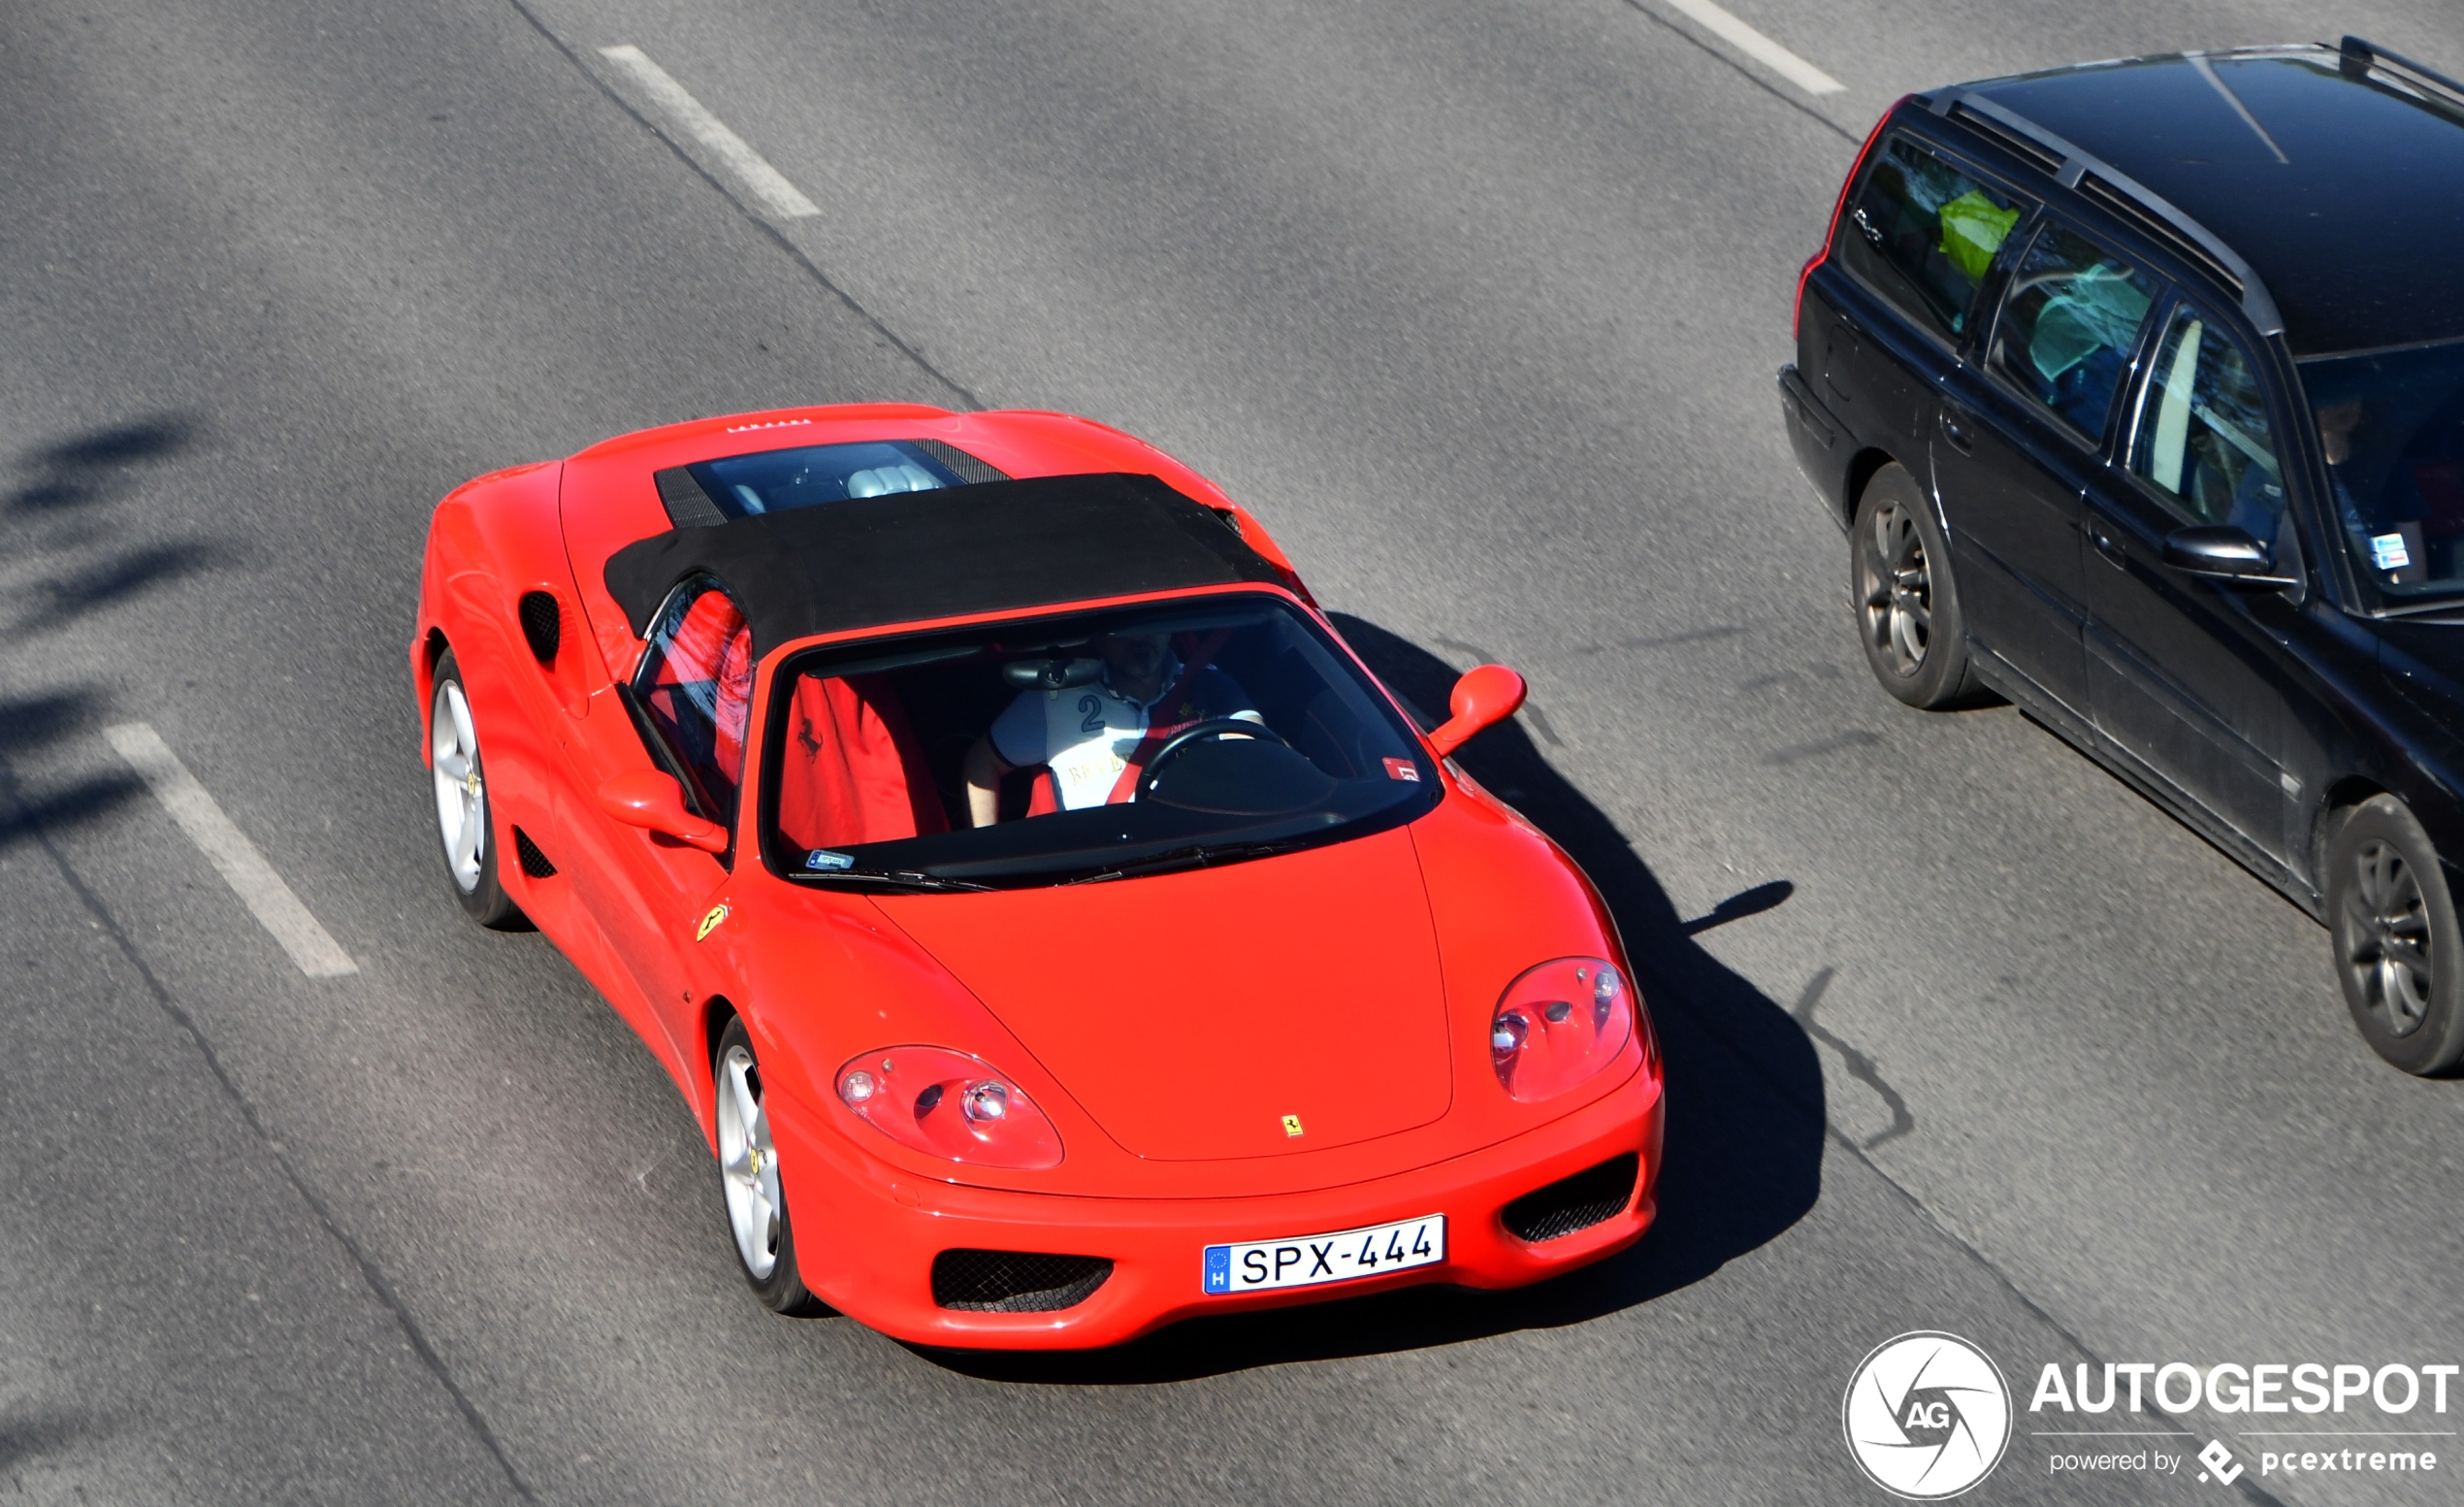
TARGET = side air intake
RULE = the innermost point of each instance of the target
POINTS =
(543, 625)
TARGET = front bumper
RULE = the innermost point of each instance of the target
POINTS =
(866, 1233)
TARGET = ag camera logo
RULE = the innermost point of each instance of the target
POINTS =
(1927, 1415)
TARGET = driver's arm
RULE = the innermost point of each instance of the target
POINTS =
(982, 770)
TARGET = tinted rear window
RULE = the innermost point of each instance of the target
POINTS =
(1921, 231)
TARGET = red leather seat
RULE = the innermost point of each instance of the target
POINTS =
(852, 770)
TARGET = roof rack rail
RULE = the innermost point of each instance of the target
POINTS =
(2178, 231)
(2358, 55)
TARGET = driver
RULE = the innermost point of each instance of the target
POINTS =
(1086, 733)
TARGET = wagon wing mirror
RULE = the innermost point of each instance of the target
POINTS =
(2223, 554)
(1486, 695)
(655, 803)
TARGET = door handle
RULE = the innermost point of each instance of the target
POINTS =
(1956, 432)
(2106, 544)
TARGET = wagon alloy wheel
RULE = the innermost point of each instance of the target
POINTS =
(2390, 952)
(1898, 596)
(459, 780)
(749, 1178)
(2396, 937)
(1907, 610)
(748, 1163)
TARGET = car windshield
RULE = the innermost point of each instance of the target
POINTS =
(1080, 747)
(2391, 430)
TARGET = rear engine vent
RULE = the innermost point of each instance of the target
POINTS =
(966, 467)
(688, 506)
(533, 862)
(2010, 141)
(1014, 1281)
(2148, 223)
(1576, 1202)
(542, 624)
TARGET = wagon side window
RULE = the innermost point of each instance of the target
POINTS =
(695, 689)
(1922, 232)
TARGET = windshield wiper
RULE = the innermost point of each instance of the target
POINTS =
(899, 879)
(1195, 856)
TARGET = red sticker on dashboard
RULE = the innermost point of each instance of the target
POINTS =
(1402, 769)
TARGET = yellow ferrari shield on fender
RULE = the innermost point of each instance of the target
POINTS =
(710, 921)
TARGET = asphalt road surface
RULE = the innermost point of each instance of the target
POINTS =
(1477, 302)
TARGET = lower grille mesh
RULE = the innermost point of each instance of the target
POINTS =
(533, 862)
(1014, 1281)
(1576, 1202)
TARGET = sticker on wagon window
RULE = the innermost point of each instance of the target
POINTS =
(1312, 1261)
(2388, 551)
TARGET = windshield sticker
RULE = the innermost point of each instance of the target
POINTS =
(1402, 769)
(2387, 552)
(827, 861)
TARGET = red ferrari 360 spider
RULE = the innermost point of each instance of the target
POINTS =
(1056, 928)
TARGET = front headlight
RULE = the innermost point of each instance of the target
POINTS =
(1558, 1024)
(945, 1104)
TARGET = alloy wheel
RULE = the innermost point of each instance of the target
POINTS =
(2389, 939)
(747, 1164)
(462, 794)
(1898, 591)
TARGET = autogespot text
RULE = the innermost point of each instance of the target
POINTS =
(2360, 1413)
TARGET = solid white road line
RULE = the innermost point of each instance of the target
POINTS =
(230, 851)
(765, 182)
(1763, 50)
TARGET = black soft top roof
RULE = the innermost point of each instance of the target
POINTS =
(991, 547)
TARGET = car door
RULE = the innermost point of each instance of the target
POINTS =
(1920, 231)
(686, 710)
(2187, 673)
(2020, 436)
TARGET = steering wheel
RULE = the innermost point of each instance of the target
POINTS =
(1212, 727)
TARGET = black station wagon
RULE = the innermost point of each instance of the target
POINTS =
(2139, 389)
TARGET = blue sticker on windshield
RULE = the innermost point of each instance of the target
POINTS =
(2387, 552)
(824, 859)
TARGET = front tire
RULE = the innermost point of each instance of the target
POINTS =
(1907, 610)
(459, 776)
(2397, 948)
(763, 1236)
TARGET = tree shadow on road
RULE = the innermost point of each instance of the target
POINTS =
(66, 558)
(1745, 1111)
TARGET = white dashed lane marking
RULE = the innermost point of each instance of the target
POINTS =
(763, 181)
(1754, 45)
(230, 851)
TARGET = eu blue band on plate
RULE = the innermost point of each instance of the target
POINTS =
(1218, 1269)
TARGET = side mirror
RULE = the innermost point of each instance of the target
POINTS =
(655, 803)
(1486, 696)
(2223, 554)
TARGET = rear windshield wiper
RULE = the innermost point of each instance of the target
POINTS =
(897, 878)
(1196, 856)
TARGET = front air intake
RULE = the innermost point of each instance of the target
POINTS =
(1576, 1202)
(1014, 1281)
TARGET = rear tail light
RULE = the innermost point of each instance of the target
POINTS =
(945, 1104)
(1558, 1024)
(1830, 235)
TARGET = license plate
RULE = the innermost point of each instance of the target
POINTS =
(1308, 1260)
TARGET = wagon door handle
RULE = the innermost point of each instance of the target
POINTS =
(2106, 544)
(1955, 432)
